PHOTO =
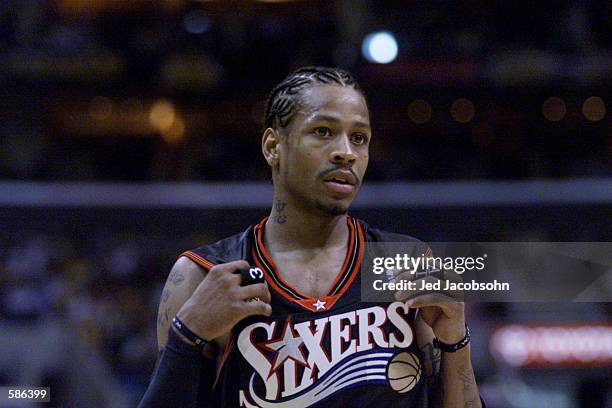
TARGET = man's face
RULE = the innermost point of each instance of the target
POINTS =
(325, 149)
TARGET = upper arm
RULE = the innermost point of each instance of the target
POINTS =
(184, 278)
(431, 354)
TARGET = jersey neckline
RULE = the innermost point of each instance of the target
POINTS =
(344, 278)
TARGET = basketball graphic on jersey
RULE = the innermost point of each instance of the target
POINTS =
(404, 372)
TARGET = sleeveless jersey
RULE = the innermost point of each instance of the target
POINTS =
(330, 351)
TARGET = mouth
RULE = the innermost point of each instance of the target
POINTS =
(341, 182)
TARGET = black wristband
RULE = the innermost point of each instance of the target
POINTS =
(185, 331)
(177, 343)
(451, 348)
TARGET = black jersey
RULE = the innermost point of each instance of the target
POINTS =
(333, 350)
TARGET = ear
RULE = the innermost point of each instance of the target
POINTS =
(270, 146)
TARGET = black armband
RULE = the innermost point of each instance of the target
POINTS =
(182, 377)
(452, 348)
(189, 335)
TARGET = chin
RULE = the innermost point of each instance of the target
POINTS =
(332, 209)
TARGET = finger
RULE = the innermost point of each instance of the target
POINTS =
(429, 281)
(403, 275)
(430, 284)
(453, 279)
(436, 273)
(397, 272)
(446, 303)
(414, 276)
(233, 279)
(257, 307)
(230, 267)
(258, 290)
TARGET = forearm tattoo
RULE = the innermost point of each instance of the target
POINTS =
(470, 404)
(466, 376)
(434, 355)
(163, 315)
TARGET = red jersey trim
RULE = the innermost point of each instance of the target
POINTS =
(204, 263)
(228, 348)
(345, 277)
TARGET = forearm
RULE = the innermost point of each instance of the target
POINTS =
(457, 384)
(177, 380)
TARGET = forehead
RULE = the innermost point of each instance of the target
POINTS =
(342, 102)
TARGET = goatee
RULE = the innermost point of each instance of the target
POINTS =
(331, 209)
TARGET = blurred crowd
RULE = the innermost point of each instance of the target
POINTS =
(50, 279)
(102, 290)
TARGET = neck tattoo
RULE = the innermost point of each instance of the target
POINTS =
(280, 218)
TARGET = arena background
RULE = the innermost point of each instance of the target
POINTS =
(130, 131)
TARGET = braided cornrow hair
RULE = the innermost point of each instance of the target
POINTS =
(283, 99)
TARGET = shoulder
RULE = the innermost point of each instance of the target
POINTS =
(373, 234)
(188, 272)
(184, 278)
(185, 267)
(228, 249)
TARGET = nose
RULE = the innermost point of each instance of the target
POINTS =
(342, 152)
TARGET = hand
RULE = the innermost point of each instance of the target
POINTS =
(219, 302)
(443, 311)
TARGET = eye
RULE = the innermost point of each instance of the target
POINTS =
(359, 138)
(323, 131)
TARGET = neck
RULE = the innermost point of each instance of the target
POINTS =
(290, 227)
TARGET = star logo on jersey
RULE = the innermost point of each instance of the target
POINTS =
(287, 347)
(319, 304)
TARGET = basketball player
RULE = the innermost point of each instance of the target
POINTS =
(303, 337)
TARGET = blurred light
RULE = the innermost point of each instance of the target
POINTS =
(175, 132)
(594, 108)
(554, 109)
(462, 110)
(100, 108)
(196, 22)
(419, 111)
(162, 115)
(379, 47)
(553, 345)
